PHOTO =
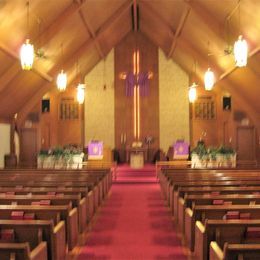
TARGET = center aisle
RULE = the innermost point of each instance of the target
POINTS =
(133, 224)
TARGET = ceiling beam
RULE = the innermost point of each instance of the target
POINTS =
(42, 39)
(50, 31)
(229, 71)
(70, 62)
(36, 68)
(206, 17)
(179, 29)
(233, 10)
(92, 33)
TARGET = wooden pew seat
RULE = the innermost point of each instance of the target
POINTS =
(234, 251)
(22, 251)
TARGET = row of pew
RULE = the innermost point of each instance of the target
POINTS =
(44, 212)
(217, 211)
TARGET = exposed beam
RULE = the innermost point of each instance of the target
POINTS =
(70, 62)
(12, 54)
(45, 36)
(179, 29)
(92, 33)
(154, 14)
(58, 23)
(206, 17)
(229, 71)
(233, 10)
(182, 43)
(135, 16)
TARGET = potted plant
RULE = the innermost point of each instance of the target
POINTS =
(42, 155)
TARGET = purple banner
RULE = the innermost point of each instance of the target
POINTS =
(95, 150)
(142, 80)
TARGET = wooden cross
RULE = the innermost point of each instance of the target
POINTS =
(136, 91)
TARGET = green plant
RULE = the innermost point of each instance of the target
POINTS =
(200, 150)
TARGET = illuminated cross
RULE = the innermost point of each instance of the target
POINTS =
(136, 86)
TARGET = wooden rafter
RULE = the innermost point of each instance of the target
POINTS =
(71, 61)
(179, 29)
(92, 33)
(205, 16)
(45, 36)
(36, 69)
(229, 71)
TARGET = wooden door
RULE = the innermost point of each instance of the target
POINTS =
(28, 147)
(246, 143)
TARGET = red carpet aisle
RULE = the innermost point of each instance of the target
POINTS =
(133, 224)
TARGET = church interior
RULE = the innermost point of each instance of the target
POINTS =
(130, 129)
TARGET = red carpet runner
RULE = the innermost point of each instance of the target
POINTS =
(134, 223)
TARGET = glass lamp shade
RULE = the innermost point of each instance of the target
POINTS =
(81, 93)
(209, 80)
(27, 55)
(240, 52)
(192, 93)
(62, 81)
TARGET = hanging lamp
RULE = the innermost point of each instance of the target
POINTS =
(240, 52)
(209, 79)
(27, 49)
(81, 93)
(62, 77)
(240, 46)
(193, 92)
(81, 86)
(62, 81)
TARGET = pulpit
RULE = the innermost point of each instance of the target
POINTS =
(137, 156)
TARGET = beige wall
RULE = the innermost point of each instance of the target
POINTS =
(173, 102)
(99, 103)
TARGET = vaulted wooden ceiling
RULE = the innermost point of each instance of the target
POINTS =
(186, 30)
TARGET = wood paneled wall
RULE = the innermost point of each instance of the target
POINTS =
(149, 105)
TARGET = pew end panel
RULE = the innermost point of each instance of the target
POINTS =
(189, 228)
(72, 228)
(82, 214)
(59, 241)
(200, 248)
(215, 252)
(40, 252)
(181, 211)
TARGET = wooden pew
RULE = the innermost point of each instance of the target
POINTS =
(67, 214)
(221, 231)
(234, 251)
(22, 251)
(190, 201)
(72, 200)
(28, 230)
(206, 212)
(60, 191)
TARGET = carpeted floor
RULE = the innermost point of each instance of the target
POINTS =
(133, 224)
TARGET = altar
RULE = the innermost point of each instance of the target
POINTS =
(136, 156)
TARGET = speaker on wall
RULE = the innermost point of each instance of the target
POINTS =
(45, 105)
(226, 103)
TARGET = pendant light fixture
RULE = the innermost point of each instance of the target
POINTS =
(80, 87)
(240, 52)
(193, 87)
(209, 78)
(27, 49)
(62, 77)
(240, 46)
(193, 92)
(81, 93)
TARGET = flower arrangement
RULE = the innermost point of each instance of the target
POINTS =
(59, 157)
(213, 156)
